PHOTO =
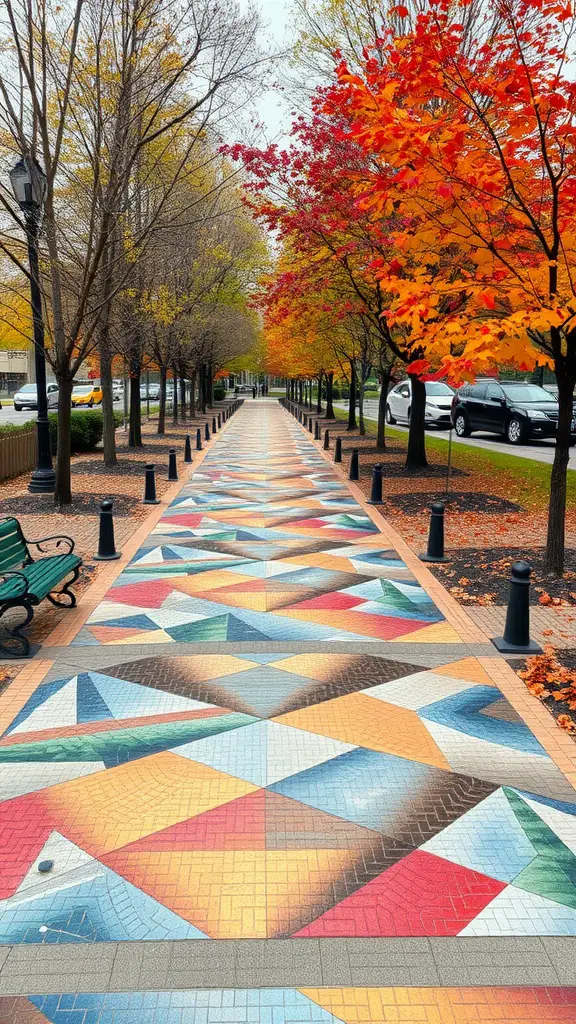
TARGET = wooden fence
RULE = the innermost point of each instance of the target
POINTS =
(17, 453)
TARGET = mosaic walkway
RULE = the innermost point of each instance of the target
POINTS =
(298, 1006)
(248, 739)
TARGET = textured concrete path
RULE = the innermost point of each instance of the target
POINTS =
(276, 768)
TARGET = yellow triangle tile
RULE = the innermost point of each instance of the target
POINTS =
(222, 892)
(110, 809)
(436, 633)
(469, 669)
(316, 666)
(203, 581)
(370, 1005)
(255, 602)
(368, 722)
(300, 884)
(153, 636)
(200, 668)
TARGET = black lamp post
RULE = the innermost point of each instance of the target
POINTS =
(29, 186)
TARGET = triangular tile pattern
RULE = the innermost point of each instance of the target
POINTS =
(268, 793)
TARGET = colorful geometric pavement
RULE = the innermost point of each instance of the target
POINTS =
(260, 789)
(298, 1006)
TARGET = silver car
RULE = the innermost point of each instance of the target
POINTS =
(438, 403)
(27, 397)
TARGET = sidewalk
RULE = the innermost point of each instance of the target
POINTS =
(274, 727)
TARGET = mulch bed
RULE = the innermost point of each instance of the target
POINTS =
(459, 501)
(484, 574)
(81, 505)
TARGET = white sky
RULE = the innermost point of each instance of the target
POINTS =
(273, 108)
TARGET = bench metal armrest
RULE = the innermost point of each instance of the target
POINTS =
(61, 541)
(9, 574)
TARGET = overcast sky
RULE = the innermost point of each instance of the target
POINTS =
(272, 108)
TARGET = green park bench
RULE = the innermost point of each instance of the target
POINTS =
(25, 581)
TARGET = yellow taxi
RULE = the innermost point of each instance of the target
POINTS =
(86, 395)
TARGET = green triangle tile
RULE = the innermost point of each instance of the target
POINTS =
(212, 629)
(552, 873)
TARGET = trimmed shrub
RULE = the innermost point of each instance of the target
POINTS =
(219, 393)
(17, 428)
(85, 430)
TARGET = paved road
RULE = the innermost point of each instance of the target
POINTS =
(9, 415)
(540, 451)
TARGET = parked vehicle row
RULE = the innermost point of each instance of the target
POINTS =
(518, 410)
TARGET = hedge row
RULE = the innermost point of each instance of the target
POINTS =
(86, 429)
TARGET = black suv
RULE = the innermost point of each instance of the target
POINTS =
(519, 411)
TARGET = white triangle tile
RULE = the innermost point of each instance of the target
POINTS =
(69, 862)
(20, 777)
(60, 709)
(516, 912)
(290, 750)
(418, 690)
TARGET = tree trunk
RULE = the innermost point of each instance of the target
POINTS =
(556, 536)
(319, 398)
(108, 424)
(330, 396)
(203, 396)
(361, 424)
(300, 392)
(183, 398)
(352, 398)
(193, 396)
(63, 492)
(175, 398)
(162, 409)
(416, 453)
(382, 397)
(135, 425)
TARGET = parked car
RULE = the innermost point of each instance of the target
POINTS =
(515, 409)
(243, 389)
(438, 403)
(152, 391)
(86, 395)
(27, 396)
(117, 390)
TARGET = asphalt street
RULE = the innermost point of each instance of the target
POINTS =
(539, 450)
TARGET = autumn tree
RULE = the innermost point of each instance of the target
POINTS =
(481, 138)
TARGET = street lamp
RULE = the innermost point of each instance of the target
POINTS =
(29, 187)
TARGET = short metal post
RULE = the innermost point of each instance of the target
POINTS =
(213, 424)
(316, 431)
(338, 450)
(172, 469)
(198, 440)
(187, 449)
(219, 421)
(516, 639)
(435, 549)
(150, 486)
(376, 489)
(106, 546)
(206, 431)
(326, 439)
(353, 472)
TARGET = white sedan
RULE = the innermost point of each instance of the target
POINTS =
(438, 403)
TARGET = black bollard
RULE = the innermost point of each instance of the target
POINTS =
(316, 431)
(198, 440)
(206, 431)
(150, 487)
(353, 472)
(187, 449)
(310, 424)
(219, 421)
(106, 546)
(326, 439)
(338, 450)
(213, 424)
(516, 639)
(172, 468)
(376, 489)
(435, 550)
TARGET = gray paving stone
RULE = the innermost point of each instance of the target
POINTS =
(335, 962)
(31, 959)
(47, 984)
